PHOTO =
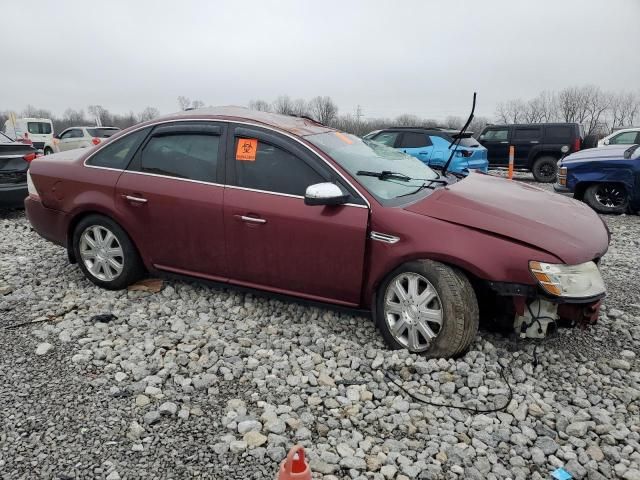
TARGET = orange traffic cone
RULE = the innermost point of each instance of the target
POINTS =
(295, 467)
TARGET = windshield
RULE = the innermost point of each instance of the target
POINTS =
(355, 154)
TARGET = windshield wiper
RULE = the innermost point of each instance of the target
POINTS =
(383, 175)
(428, 184)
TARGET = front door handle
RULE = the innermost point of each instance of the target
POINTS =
(135, 199)
(245, 218)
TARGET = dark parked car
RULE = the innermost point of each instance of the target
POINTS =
(14, 162)
(538, 146)
(607, 178)
(287, 205)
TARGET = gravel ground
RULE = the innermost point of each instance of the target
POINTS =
(201, 382)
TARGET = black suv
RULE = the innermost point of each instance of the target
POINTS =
(538, 146)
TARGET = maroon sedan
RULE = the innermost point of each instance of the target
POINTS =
(287, 205)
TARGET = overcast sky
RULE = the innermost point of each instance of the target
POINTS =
(390, 57)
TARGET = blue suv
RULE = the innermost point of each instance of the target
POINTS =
(431, 146)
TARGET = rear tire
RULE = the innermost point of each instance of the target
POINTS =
(48, 151)
(105, 253)
(607, 198)
(544, 169)
(428, 308)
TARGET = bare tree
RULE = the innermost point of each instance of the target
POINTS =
(453, 122)
(100, 114)
(407, 120)
(197, 104)
(300, 108)
(33, 112)
(184, 102)
(148, 113)
(283, 104)
(323, 109)
(624, 109)
(260, 105)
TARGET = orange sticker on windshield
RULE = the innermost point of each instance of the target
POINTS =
(246, 149)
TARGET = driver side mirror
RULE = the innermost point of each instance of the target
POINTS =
(481, 137)
(325, 194)
(606, 142)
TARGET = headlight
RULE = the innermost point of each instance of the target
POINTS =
(573, 281)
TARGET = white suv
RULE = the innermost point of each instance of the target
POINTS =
(624, 136)
(38, 130)
(83, 137)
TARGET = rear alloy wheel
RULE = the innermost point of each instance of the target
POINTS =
(427, 307)
(544, 169)
(105, 253)
(607, 197)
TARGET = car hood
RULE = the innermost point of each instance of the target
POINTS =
(613, 152)
(561, 226)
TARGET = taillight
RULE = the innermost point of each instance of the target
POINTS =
(29, 157)
(95, 141)
(577, 144)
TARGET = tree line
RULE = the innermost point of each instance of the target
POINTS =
(597, 110)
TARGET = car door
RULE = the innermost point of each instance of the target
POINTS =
(496, 141)
(277, 242)
(69, 139)
(525, 139)
(416, 144)
(171, 199)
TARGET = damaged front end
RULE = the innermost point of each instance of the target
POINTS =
(565, 296)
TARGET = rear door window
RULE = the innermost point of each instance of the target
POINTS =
(496, 135)
(558, 134)
(188, 155)
(387, 138)
(414, 140)
(527, 133)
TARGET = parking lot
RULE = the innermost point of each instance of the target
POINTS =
(199, 381)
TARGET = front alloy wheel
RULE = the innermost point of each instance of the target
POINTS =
(413, 311)
(427, 307)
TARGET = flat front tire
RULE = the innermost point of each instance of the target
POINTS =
(105, 253)
(428, 308)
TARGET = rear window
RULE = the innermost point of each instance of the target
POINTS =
(102, 132)
(527, 133)
(413, 140)
(468, 142)
(39, 128)
(561, 133)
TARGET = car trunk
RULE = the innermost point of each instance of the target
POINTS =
(13, 166)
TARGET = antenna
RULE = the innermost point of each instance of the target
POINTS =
(456, 141)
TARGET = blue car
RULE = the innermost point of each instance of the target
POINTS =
(606, 178)
(431, 146)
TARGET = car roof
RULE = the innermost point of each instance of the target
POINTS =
(553, 124)
(628, 129)
(300, 126)
(90, 126)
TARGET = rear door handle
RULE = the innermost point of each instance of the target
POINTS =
(245, 218)
(135, 199)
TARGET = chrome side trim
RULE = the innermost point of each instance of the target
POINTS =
(222, 120)
(383, 237)
(170, 177)
(301, 197)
